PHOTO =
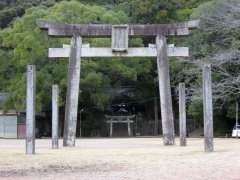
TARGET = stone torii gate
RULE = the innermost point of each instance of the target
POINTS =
(119, 35)
(119, 119)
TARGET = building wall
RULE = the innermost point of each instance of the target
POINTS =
(8, 126)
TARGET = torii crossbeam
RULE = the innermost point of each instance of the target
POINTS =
(105, 30)
(119, 35)
(86, 52)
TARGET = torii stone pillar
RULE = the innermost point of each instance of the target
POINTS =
(30, 119)
(182, 115)
(55, 116)
(208, 109)
(165, 91)
(70, 121)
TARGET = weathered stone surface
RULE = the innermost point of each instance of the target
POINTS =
(119, 38)
(55, 116)
(105, 30)
(182, 115)
(107, 52)
(83, 46)
(30, 119)
(165, 92)
(72, 92)
(208, 108)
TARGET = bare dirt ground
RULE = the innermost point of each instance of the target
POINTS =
(126, 158)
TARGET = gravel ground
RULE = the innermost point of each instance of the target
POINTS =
(125, 158)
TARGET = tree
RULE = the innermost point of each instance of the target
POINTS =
(11, 9)
(27, 44)
(154, 11)
(216, 42)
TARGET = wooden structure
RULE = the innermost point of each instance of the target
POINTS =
(119, 119)
(119, 35)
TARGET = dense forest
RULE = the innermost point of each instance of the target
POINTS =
(217, 41)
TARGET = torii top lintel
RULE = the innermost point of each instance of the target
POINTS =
(105, 30)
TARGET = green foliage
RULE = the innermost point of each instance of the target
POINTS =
(101, 2)
(7, 15)
(215, 42)
(13, 8)
(182, 14)
(195, 3)
(25, 44)
(75, 12)
(196, 109)
(218, 15)
(154, 11)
